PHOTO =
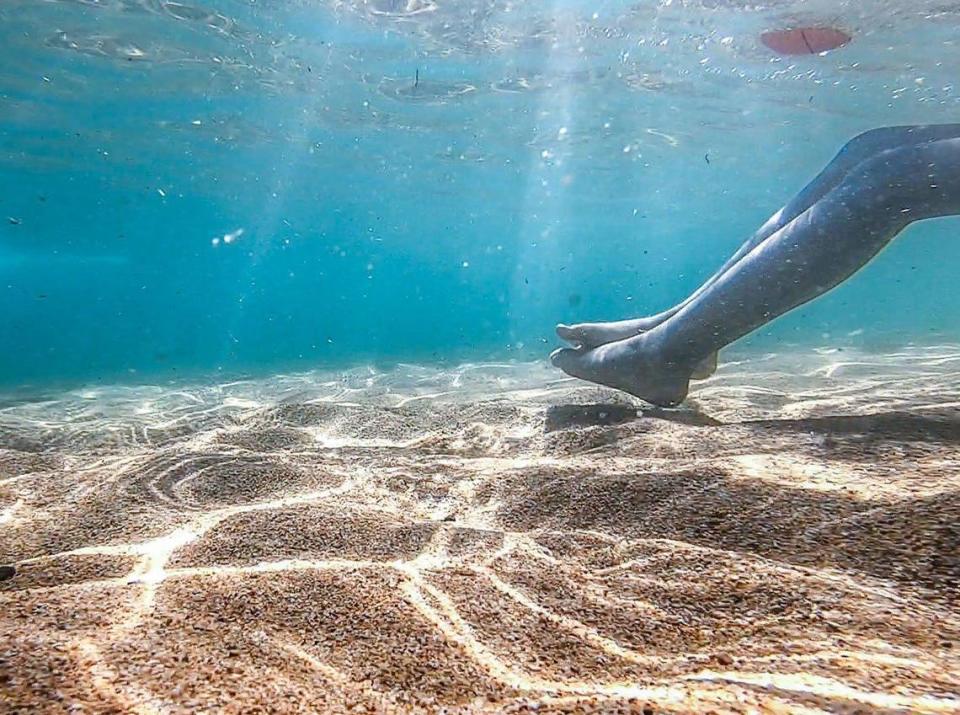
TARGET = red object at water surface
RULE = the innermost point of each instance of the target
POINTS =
(805, 40)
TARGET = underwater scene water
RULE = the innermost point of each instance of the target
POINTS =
(419, 182)
(279, 428)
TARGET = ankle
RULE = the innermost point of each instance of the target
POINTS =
(660, 350)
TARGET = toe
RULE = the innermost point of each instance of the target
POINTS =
(568, 360)
(562, 357)
(571, 333)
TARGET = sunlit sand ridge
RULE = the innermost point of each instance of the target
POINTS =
(490, 538)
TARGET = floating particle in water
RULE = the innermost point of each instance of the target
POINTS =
(805, 40)
(162, 192)
(233, 236)
(227, 238)
(14, 220)
(671, 140)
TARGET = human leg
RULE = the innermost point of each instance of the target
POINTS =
(816, 251)
(859, 149)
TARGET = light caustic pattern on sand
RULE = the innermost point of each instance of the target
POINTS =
(489, 539)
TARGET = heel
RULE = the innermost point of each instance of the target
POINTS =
(705, 368)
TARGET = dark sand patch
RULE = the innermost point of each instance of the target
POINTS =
(307, 532)
(69, 569)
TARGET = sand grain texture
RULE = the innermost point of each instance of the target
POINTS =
(489, 539)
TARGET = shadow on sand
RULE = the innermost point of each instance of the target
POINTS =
(915, 539)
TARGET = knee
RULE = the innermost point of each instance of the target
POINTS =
(922, 176)
(917, 164)
(873, 140)
(886, 172)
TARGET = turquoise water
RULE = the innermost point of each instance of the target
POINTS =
(253, 187)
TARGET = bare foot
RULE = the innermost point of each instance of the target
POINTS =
(586, 336)
(628, 365)
(592, 335)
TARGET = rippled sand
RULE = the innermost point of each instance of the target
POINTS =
(492, 538)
